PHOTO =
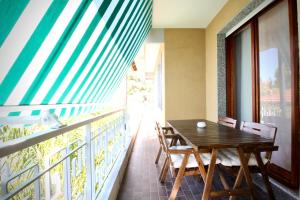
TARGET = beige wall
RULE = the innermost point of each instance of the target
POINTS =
(230, 10)
(184, 73)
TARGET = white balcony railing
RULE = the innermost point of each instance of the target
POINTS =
(77, 168)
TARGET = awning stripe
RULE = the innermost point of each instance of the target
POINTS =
(107, 9)
(77, 71)
(86, 69)
(114, 83)
(10, 14)
(100, 92)
(113, 43)
(13, 43)
(76, 54)
(106, 77)
(29, 51)
(57, 51)
(105, 68)
(125, 64)
(41, 62)
(37, 109)
(107, 93)
(64, 54)
(122, 74)
(98, 64)
(129, 61)
(77, 57)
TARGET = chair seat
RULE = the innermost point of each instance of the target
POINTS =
(230, 157)
(169, 140)
(192, 163)
(180, 147)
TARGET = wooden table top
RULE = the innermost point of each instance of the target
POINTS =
(215, 135)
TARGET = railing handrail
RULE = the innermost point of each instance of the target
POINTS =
(18, 144)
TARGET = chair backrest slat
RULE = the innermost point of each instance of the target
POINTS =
(264, 130)
(226, 121)
(161, 137)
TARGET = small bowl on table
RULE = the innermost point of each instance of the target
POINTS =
(201, 124)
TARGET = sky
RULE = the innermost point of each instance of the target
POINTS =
(268, 63)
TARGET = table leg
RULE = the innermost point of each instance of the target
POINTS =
(179, 177)
(200, 165)
(163, 168)
(239, 176)
(210, 174)
(244, 166)
(158, 155)
(223, 179)
(264, 175)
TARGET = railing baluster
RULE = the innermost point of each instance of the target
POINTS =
(106, 149)
(103, 148)
(67, 176)
(4, 175)
(47, 180)
(113, 138)
(123, 129)
(93, 154)
(88, 163)
(37, 183)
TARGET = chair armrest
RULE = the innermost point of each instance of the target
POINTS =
(167, 129)
(172, 136)
(176, 137)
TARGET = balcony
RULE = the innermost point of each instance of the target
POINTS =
(83, 82)
(90, 165)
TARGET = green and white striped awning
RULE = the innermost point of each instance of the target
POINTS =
(66, 56)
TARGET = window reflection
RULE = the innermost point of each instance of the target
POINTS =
(275, 79)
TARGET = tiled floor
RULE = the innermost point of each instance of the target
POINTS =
(141, 178)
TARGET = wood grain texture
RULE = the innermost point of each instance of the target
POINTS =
(216, 136)
(227, 121)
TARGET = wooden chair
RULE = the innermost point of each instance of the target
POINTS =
(229, 122)
(176, 157)
(226, 121)
(167, 131)
(257, 161)
(172, 138)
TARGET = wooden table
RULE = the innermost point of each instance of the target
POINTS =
(213, 138)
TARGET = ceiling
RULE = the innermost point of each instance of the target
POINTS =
(185, 13)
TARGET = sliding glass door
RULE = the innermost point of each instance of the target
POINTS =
(263, 80)
(243, 75)
(275, 78)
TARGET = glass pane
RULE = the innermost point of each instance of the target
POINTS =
(243, 75)
(275, 78)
